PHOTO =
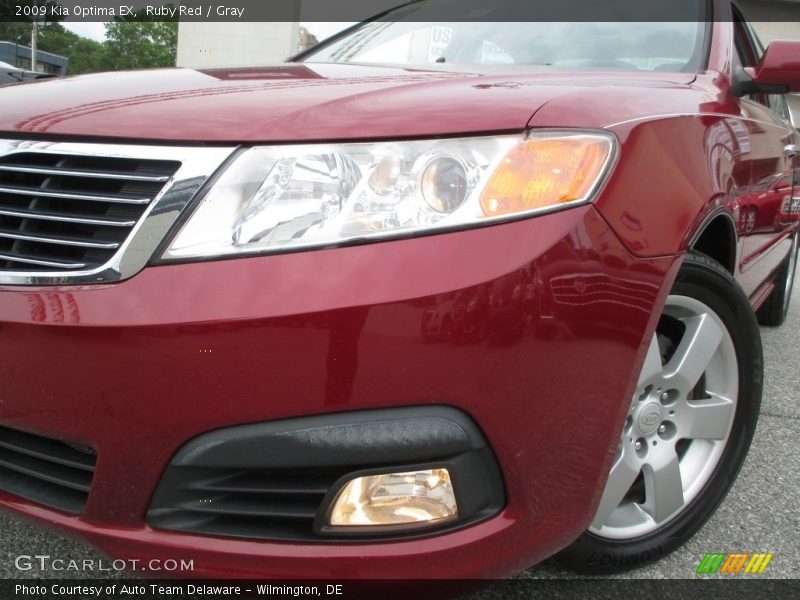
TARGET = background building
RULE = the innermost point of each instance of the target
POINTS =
(209, 45)
(20, 56)
(241, 44)
(774, 19)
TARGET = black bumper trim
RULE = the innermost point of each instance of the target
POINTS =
(276, 480)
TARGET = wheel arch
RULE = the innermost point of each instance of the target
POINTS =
(716, 237)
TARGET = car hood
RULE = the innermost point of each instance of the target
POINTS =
(295, 102)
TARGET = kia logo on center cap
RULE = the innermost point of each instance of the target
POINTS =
(649, 418)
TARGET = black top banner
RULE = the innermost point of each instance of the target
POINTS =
(360, 10)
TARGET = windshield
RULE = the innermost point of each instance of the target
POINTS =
(650, 46)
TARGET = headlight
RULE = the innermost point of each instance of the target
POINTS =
(278, 198)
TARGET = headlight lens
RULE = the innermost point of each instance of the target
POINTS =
(277, 198)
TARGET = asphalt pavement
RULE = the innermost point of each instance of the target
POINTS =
(761, 513)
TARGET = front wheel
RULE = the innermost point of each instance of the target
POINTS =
(688, 428)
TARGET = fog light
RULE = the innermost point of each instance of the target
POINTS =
(412, 498)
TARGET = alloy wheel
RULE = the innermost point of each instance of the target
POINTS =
(678, 423)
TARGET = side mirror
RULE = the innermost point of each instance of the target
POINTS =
(777, 73)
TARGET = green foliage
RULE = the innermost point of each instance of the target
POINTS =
(141, 44)
(16, 33)
(130, 44)
(85, 55)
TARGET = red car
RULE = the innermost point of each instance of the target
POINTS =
(216, 289)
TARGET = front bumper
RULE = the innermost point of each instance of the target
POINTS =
(136, 369)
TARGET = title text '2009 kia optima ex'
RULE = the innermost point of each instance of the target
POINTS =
(430, 300)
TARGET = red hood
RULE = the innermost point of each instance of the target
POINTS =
(294, 102)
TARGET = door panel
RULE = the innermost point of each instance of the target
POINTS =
(767, 212)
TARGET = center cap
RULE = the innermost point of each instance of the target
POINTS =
(649, 418)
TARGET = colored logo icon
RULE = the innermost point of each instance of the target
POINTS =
(734, 563)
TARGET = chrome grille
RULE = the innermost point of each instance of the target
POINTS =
(67, 212)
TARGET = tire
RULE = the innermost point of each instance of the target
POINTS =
(682, 443)
(774, 310)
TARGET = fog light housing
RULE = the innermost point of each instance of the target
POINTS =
(412, 499)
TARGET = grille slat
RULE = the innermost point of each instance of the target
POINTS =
(248, 483)
(45, 471)
(64, 218)
(59, 240)
(50, 472)
(51, 495)
(276, 503)
(91, 174)
(63, 212)
(30, 260)
(254, 507)
(47, 450)
(35, 192)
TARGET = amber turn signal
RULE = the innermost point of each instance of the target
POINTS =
(546, 171)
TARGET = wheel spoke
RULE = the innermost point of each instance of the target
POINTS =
(705, 419)
(642, 514)
(663, 487)
(624, 472)
(694, 352)
(652, 362)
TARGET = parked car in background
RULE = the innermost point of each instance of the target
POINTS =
(219, 293)
(11, 74)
